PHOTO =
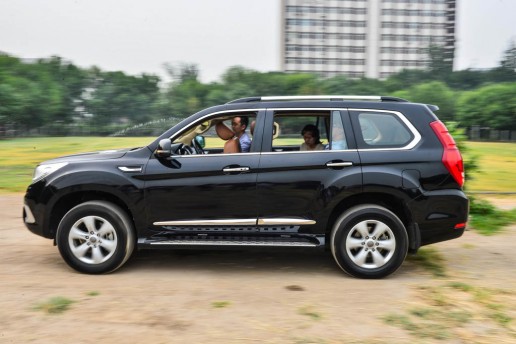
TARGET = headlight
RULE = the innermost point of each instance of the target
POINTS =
(44, 170)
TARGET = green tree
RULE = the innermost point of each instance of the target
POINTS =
(509, 58)
(29, 94)
(117, 97)
(405, 79)
(492, 106)
(436, 93)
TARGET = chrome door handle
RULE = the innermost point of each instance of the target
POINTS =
(235, 169)
(130, 168)
(339, 164)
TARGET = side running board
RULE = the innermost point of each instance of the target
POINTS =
(209, 240)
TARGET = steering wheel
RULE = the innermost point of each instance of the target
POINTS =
(197, 147)
(186, 150)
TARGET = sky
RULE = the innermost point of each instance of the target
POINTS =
(137, 36)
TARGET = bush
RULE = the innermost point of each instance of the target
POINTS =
(481, 207)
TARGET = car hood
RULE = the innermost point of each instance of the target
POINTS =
(91, 156)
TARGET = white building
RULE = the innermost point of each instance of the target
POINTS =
(364, 38)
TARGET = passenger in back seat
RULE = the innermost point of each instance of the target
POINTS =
(312, 138)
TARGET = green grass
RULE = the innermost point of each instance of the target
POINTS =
(19, 157)
(487, 219)
(443, 309)
(496, 162)
(310, 312)
(220, 304)
(430, 259)
(55, 305)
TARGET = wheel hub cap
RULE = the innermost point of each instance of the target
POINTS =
(92, 240)
(370, 244)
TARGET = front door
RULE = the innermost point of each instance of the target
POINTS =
(203, 188)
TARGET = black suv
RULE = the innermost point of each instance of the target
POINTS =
(370, 178)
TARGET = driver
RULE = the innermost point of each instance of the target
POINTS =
(239, 125)
(243, 142)
(232, 144)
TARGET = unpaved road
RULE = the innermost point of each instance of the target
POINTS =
(259, 296)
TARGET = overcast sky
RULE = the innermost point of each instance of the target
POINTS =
(138, 36)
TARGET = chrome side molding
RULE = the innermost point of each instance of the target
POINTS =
(239, 222)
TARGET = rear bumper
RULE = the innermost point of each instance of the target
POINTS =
(439, 215)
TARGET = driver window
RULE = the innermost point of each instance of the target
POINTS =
(224, 134)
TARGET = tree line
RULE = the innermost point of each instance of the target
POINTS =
(53, 92)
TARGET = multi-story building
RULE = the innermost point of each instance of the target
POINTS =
(364, 38)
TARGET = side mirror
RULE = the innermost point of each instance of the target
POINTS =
(200, 141)
(164, 149)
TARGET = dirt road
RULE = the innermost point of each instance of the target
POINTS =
(259, 296)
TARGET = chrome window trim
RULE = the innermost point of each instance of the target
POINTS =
(413, 130)
(325, 151)
(215, 155)
(410, 145)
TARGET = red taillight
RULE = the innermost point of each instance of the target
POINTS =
(452, 159)
(460, 225)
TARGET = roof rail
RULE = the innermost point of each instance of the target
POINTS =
(327, 97)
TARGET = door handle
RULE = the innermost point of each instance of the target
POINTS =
(235, 169)
(339, 164)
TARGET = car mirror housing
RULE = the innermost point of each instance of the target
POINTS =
(164, 149)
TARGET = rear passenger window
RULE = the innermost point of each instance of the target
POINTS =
(382, 130)
(300, 131)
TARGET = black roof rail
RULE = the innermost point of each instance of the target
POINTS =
(393, 99)
(319, 97)
(245, 100)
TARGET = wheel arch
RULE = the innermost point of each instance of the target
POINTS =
(70, 200)
(388, 201)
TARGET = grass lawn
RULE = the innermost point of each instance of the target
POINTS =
(497, 166)
(18, 157)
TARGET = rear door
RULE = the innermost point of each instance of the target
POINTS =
(301, 187)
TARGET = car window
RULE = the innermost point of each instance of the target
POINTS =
(382, 130)
(338, 136)
(292, 131)
(214, 135)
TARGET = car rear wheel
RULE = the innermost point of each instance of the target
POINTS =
(95, 237)
(369, 241)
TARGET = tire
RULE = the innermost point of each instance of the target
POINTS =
(95, 237)
(369, 241)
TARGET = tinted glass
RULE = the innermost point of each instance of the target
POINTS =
(338, 137)
(383, 130)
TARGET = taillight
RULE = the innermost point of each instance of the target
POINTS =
(460, 225)
(452, 159)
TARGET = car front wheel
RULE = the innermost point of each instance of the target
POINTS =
(369, 241)
(95, 237)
